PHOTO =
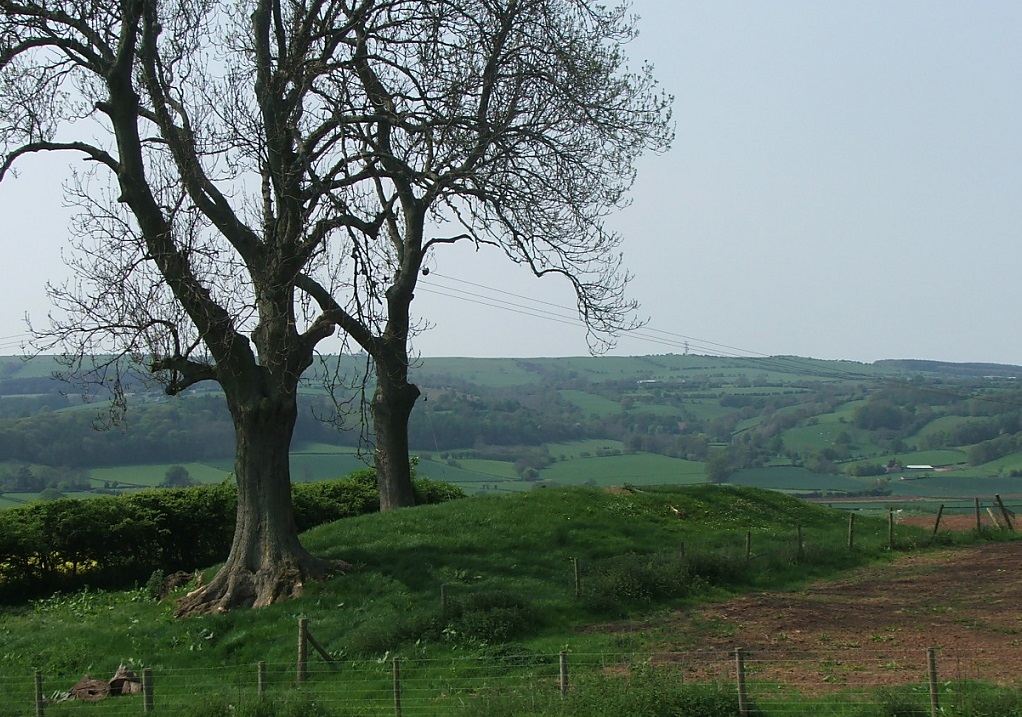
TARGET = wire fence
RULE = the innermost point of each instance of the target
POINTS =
(774, 683)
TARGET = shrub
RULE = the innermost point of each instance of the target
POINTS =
(116, 541)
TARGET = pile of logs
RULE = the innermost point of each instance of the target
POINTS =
(124, 682)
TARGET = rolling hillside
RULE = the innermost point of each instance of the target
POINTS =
(806, 426)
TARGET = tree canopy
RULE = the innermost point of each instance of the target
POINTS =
(261, 175)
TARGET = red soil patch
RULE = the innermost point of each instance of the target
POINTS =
(869, 629)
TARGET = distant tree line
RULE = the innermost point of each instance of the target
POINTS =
(25, 479)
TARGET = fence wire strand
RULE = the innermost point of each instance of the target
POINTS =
(776, 683)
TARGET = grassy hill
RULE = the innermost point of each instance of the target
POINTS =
(505, 567)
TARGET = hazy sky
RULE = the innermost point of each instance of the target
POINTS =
(846, 183)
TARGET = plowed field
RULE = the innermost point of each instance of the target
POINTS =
(874, 626)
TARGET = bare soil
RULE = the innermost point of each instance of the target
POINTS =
(870, 628)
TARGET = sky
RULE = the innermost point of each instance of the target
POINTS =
(845, 183)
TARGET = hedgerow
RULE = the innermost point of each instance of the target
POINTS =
(117, 541)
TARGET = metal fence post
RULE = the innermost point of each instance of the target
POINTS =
(303, 649)
(397, 687)
(40, 703)
(563, 674)
(931, 663)
(148, 699)
(743, 698)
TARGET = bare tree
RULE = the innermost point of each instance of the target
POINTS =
(283, 170)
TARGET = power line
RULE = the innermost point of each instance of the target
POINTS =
(561, 314)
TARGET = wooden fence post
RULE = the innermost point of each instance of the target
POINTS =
(936, 523)
(562, 679)
(148, 699)
(261, 677)
(851, 530)
(798, 537)
(890, 528)
(578, 578)
(1004, 512)
(443, 599)
(40, 703)
(397, 687)
(303, 649)
(743, 698)
(979, 523)
(931, 663)
(748, 547)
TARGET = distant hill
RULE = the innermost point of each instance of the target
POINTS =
(806, 426)
(995, 370)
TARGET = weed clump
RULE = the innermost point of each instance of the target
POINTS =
(489, 617)
(651, 692)
(478, 619)
(292, 705)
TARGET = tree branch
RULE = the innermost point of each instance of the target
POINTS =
(93, 153)
(332, 315)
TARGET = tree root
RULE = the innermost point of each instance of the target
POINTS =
(236, 586)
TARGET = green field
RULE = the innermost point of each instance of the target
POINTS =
(583, 449)
(636, 469)
(672, 410)
(148, 476)
(474, 476)
(792, 479)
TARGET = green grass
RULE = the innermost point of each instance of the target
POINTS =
(635, 468)
(816, 437)
(1004, 465)
(474, 476)
(707, 409)
(942, 424)
(793, 479)
(657, 409)
(495, 470)
(481, 371)
(505, 566)
(591, 403)
(583, 449)
(150, 475)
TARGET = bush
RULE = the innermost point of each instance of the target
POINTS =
(433, 491)
(117, 541)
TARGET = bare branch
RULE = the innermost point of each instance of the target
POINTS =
(93, 153)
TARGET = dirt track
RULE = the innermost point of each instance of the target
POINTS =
(873, 627)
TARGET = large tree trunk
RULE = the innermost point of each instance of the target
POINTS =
(267, 563)
(391, 406)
